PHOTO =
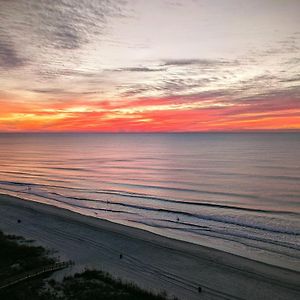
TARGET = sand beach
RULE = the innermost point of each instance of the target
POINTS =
(153, 262)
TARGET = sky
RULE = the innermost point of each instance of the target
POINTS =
(149, 66)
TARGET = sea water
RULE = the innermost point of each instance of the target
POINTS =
(238, 192)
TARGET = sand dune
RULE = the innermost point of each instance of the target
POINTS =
(153, 262)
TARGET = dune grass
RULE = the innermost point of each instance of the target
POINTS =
(94, 284)
(17, 256)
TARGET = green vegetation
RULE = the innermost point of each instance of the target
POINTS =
(93, 284)
(17, 258)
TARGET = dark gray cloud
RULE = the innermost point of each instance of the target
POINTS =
(295, 61)
(9, 56)
(70, 24)
(67, 37)
(197, 62)
(293, 79)
(46, 29)
(48, 91)
(64, 92)
(48, 73)
(138, 69)
(60, 23)
(135, 90)
(194, 98)
(173, 85)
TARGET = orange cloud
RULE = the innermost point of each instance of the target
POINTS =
(169, 114)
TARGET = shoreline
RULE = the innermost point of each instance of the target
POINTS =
(152, 261)
(237, 248)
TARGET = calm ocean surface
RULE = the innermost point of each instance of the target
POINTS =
(236, 192)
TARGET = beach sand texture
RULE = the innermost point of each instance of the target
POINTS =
(153, 262)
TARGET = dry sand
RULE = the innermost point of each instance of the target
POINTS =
(153, 262)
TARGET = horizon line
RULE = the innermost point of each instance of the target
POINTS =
(153, 132)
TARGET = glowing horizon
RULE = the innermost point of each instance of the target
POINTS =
(149, 66)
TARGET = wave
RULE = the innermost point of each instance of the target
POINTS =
(219, 219)
(218, 215)
(227, 235)
(246, 223)
(192, 191)
(148, 197)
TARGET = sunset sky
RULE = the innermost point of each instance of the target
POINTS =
(141, 65)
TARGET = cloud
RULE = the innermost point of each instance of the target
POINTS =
(184, 84)
(67, 37)
(49, 73)
(68, 25)
(48, 91)
(52, 33)
(197, 62)
(78, 63)
(293, 79)
(138, 69)
(9, 56)
(215, 110)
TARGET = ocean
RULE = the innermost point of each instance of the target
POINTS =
(238, 192)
